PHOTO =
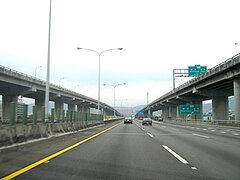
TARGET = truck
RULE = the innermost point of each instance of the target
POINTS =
(140, 115)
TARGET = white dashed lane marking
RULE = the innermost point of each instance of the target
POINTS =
(150, 135)
(199, 135)
(175, 155)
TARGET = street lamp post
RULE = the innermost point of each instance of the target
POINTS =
(60, 81)
(36, 70)
(99, 55)
(114, 87)
(48, 65)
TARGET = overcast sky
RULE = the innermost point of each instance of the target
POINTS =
(156, 36)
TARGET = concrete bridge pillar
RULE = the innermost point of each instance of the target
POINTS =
(6, 100)
(174, 112)
(59, 105)
(40, 103)
(149, 113)
(71, 107)
(83, 108)
(236, 87)
(220, 108)
(169, 112)
(165, 113)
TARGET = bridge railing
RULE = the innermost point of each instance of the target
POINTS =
(17, 74)
(27, 77)
(214, 70)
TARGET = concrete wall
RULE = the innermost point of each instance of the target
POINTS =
(20, 132)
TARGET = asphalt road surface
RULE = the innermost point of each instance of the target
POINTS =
(132, 151)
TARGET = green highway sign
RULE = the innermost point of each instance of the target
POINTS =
(190, 109)
(196, 70)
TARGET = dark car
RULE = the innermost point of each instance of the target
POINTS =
(147, 121)
(128, 120)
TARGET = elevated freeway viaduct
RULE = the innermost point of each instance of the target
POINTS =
(217, 84)
(14, 84)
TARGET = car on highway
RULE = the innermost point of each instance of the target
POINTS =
(158, 118)
(147, 121)
(128, 120)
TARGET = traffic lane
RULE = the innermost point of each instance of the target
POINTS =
(211, 157)
(125, 152)
(222, 155)
(20, 155)
(233, 132)
(223, 135)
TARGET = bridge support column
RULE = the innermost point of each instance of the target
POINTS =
(149, 113)
(59, 106)
(220, 108)
(169, 112)
(165, 113)
(39, 103)
(71, 107)
(6, 100)
(236, 87)
(174, 112)
(83, 109)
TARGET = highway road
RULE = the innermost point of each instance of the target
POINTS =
(132, 151)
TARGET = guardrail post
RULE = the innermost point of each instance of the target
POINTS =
(25, 112)
(12, 114)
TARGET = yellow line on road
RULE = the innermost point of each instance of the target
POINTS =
(46, 159)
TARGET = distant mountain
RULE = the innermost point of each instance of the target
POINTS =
(138, 108)
(126, 111)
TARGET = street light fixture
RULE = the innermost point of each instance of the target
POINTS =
(36, 70)
(60, 81)
(99, 55)
(114, 87)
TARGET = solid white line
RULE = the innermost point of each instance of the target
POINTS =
(150, 135)
(175, 155)
(200, 135)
